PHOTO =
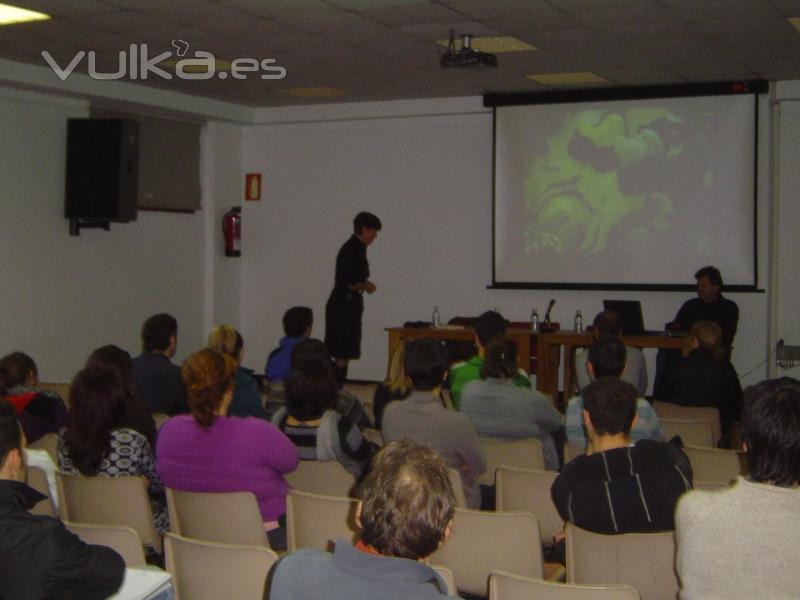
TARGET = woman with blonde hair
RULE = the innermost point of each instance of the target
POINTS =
(705, 377)
(208, 451)
(246, 397)
(396, 387)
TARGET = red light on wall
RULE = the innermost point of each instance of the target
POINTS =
(252, 186)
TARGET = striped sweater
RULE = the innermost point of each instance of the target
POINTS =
(624, 490)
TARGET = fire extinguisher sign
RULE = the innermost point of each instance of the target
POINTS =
(252, 186)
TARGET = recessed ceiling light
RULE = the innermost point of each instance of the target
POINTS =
(13, 14)
(795, 21)
(313, 92)
(495, 44)
(567, 78)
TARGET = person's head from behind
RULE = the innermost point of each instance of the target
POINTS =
(311, 387)
(297, 321)
(606, 358)
(396, 379)
(99, 402)
(425, 363)
(12, 459)
(500, 359)
(489, 325)
(20, 369)
(709, 283)
(406, 502)
(707, 335)
(771, 431)
(607, 323)
(609, 407)
(366, 227)
(112, 356)
(208, 377)
(160, 334)
(225, 339)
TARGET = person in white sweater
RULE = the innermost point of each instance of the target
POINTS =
(741, 542)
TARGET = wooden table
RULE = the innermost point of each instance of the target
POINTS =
(520, 335)
(549, 349)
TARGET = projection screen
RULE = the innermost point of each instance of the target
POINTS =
(635, 193)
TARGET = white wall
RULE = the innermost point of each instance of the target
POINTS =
(63, 296)
(429, 178)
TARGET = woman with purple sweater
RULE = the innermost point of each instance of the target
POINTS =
(208, 451)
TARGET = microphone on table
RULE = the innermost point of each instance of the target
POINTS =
(549, 308)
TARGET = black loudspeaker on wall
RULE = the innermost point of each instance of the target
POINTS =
(102, 172)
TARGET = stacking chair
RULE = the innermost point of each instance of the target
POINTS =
(709, 414)
(642, 560)
(108, 501)
(481, 542)
(49, 442)
(328, 478)
(505, 586)
(708, 486)
(123, 540)
(316, 520)
(160, 418)
(692, 432)
(225, 518)
(716, 464)
(526, 453)
(526, 490)
(374, 436)
(458, 487)
(447, 575)
(37, 479)
(571, 452)
(210, 571)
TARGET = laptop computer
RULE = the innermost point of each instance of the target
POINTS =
(630, 317)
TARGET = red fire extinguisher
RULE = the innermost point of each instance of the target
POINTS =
(232, 230)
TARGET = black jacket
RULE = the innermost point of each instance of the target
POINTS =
(625, 490)
(40, 559)
(158, 384)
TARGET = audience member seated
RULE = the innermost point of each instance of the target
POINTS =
(741, 542)
(618, 487)
(499, 409)
(705, 377)
(297, 323)
(39, 411)
(606, 358)
(396, 387)
(607, 323)
(404, 514)
(489, 325)
(138, 417)
(157, 382)
(246, 397)
(310, 420)
(39, 558)
(98, 440)
(207, 451)
(422, 418)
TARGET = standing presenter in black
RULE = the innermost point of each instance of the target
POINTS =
(345, 305)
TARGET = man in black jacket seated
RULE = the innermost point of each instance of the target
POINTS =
(617, 487)
(39, 558)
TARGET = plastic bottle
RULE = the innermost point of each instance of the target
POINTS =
(534, 320)
(578, 321)
(436, 318)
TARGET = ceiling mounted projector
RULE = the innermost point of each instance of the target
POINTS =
(467, 57)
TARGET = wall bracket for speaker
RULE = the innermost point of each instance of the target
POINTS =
(75, 225)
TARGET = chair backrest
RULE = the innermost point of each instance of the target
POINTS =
(37, 479)
(210, 571)
(123, 540)
(108, 501)
(716, 464)
(160, 418)
(48, 442)
(526, 454)
(505, 586)
(572, 451)
(707, 485)
(644, 561)
(527, 490)
(226, 518)
(316, 520)
(709, 414)
(447, 575)
(692, 431)
(458, 487)
(322, 477)
(482, 541)
(374, 436)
